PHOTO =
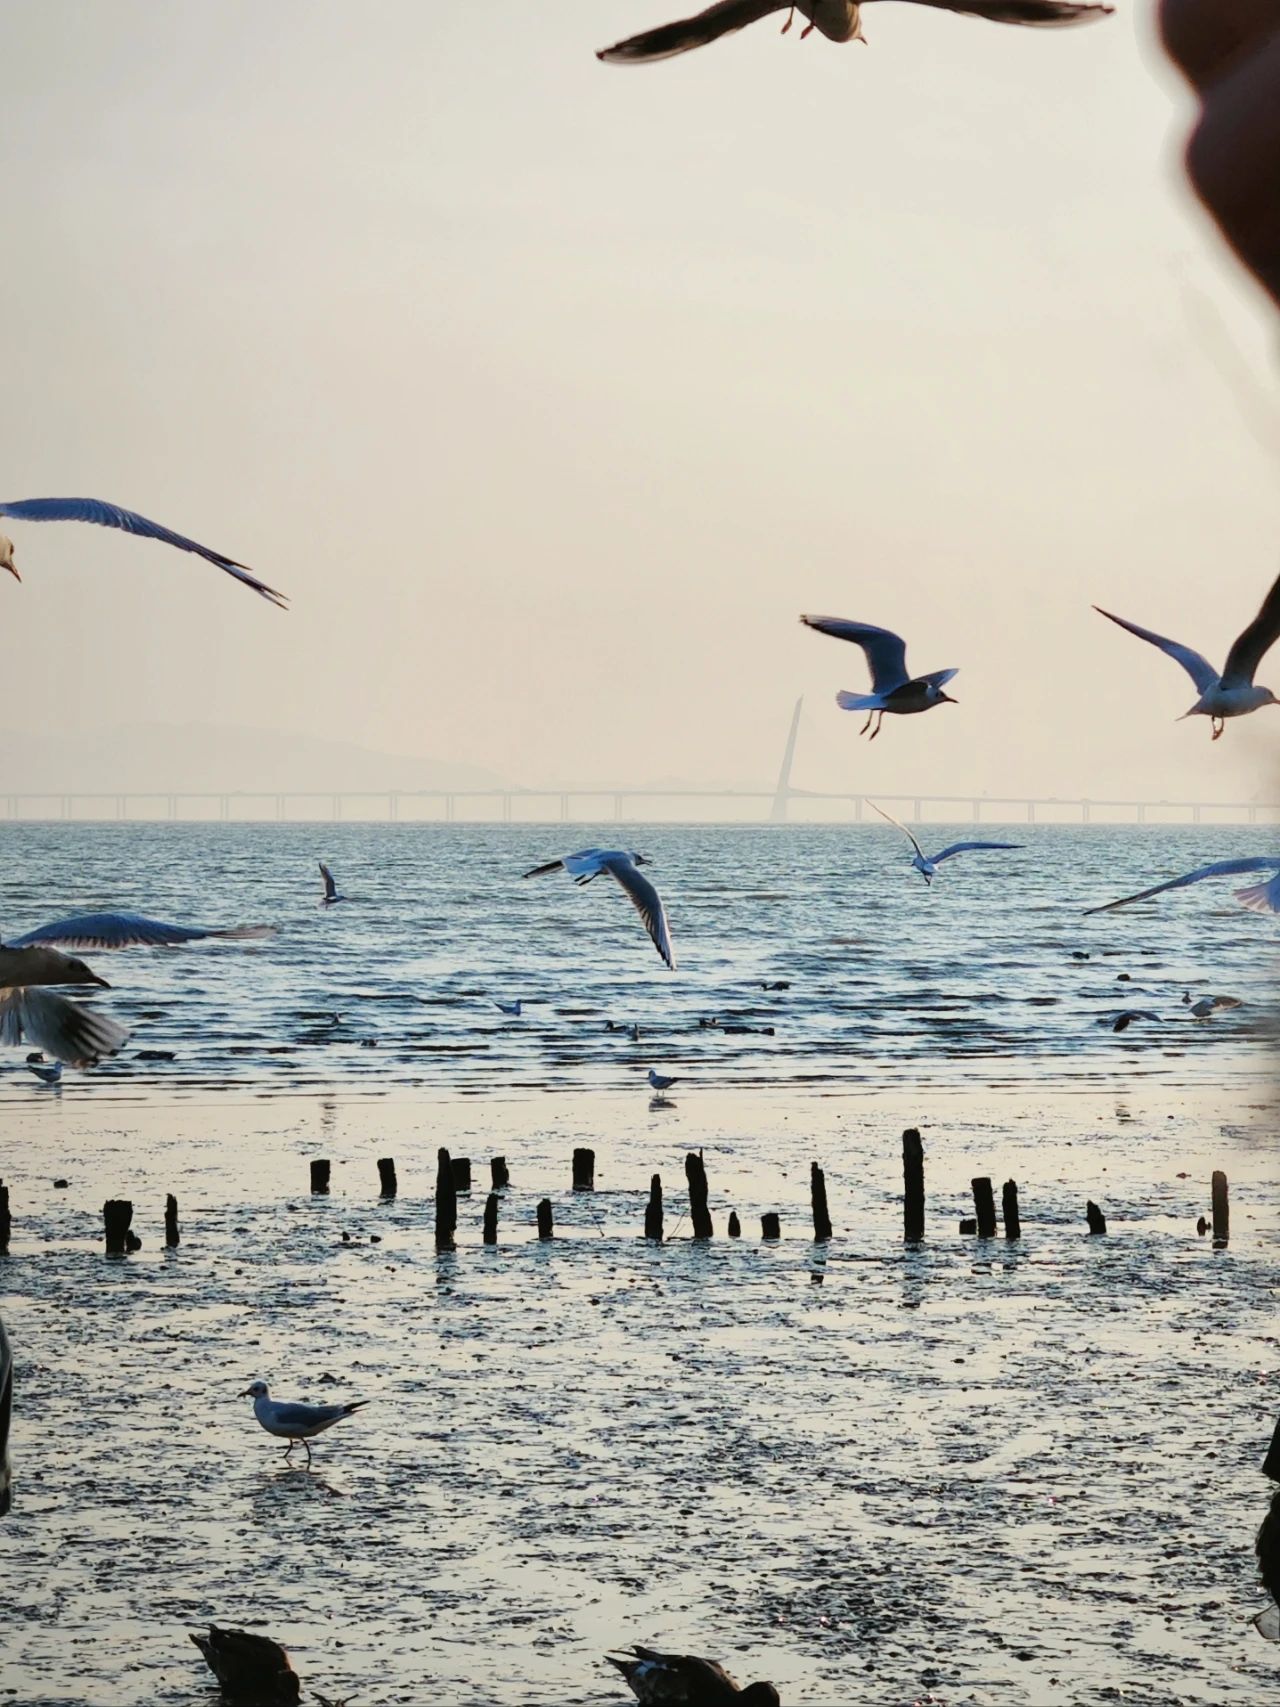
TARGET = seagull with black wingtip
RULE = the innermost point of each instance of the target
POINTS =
(893, 689)
(622, 866)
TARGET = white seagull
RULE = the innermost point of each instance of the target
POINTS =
(1231, 694)
(927, 864)
(621, 866)
(112, 516)
(129, 930)
(292, 1421)
(892, 689)
(1258, 897)
(74, 1032)
(331, 894)
(660, 1081)
(1207, 1006)
(512, 1008)
(838, 20)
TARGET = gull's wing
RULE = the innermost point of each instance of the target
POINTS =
(648, 903)
(330, 887)
(127, 930)
(308, 1416)
(78, 1033)
(890, 819)
(1258, 639)
(886, 652)
(971, 847)
(112, 516)
(1042, 12)
(668, 40)
(1200, 670)
(1220, 868)
(939, 678)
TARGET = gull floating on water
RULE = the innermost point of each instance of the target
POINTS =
(330, 887)
(838, 20)
(660, 1081)
(684, 1680)
(112, 516)
(621, 866)
(1258, 897)
(74, 1032)
(512, 1008)
(130, 930)
(927, 864)
(252, 1671)
(892, 689)
(1231, 694)
(292, 1421)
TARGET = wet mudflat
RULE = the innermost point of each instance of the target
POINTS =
(968, 1473)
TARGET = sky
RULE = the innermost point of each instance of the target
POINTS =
(552, 392)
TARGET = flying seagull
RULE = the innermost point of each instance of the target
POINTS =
(683, 1680)
(927, 864)
(1125, 1020)
(1231, 694)
(74, 1032)
(252, 1670)
(621, 866)
(330, 887)
(130, 930)
(295, 1422)
(112, 516)
(1258, 897)
(892, 689)
(838, 20)
(1207, 1006)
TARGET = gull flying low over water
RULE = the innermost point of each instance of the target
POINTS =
(112, 516)
(892, 689)
(927, 864)
(684, 1680)
(74, 1032)
(130, 930)
(1207, 1006)
(1125, 1020)
(838, 20)
(331, 894)
(1233, 693)
(1258, 897)
(622, 867)
(292, 1421)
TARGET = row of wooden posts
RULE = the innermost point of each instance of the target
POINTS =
(453, 1175)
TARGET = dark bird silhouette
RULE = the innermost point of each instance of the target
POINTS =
(683, 1680)
(253, 1671)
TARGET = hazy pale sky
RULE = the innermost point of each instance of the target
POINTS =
(552, 392)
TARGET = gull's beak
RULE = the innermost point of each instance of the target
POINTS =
(243, 1395)
(947, 697)
(100, 982)
(13, 571)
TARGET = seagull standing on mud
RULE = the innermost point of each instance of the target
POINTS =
(892, 689)
(622, 867)
(74, 1032)
(660, 1081)
(838, 20)
(1258, 897)
(292, 1421)
(1233, 693)
(112, 516)
(927, 864)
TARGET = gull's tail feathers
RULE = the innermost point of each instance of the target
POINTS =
(75, 1032)
(858, 701)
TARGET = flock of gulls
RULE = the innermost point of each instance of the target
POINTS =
(252, 1667)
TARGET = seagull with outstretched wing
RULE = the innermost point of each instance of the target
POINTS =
(331, 894)
(622, 867)
(1233, 693)
(113, 516)
(74, 1032)
(927, 864)
(838, 20)
(1258, 897)
(130, 930)
(893, 689)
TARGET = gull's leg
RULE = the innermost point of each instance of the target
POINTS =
(307, 1444)
(867, 724)
(1218, 727)
(876, 730)
(288, 1449)
(790, 16)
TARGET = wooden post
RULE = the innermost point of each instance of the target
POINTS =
(584, 1170)
(818, 1194)
(446, 1202)
(1221, 1210)
(1271, 1463)
(319, 1176)
(770, 1228)
(1009, 1209)
(735, 1226)
(461, 1168)
(117, 1213)
(696, 1174)
(968, 1226)
(984, 1204)
(498, 1173)
(6, 1220)
(491, 1219)
(171, 1222)
(653, 1211)
(387, 1184)
(913, 1186)
(544, 1218)
(1096, 1219)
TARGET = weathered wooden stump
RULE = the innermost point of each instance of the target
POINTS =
(545, 1227)
(319, 1175)
(584, 1170)
(968, 1226)
(6, 1220)
(446, 1202)
(1221, 1208)
(818, 1197)
(1094, 1216)
(1009, 1209)
(498, 1173)
(1202, 1226)
(171, 1222)
(913, 1186)
(984, 1204)
(117, 1214)
(696, 1174)
(653, 1211)
(770, 1226)
(491, 1219)
(387, 1183)
(461, 1168)
(735, 1226)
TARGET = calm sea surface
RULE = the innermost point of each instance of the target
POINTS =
(972, 980)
